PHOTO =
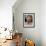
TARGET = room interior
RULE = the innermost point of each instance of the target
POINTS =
(12, 30)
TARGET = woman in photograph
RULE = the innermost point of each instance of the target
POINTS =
(28, 20)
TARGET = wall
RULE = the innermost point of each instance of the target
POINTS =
(28, 6)
(43, 22)
(6, 13)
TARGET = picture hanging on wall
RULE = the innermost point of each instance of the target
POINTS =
(29, 20)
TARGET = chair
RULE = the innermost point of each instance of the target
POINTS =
(29, 43)
(18, 37)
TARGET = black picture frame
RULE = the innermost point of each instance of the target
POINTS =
(33, 20)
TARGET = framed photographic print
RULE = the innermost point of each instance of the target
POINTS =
(29, 20)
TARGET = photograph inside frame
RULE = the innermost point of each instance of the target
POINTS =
(29, 20)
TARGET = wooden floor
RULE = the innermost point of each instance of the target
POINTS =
(9, 43)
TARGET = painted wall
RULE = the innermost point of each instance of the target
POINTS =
(43, 22)
(28, 6)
